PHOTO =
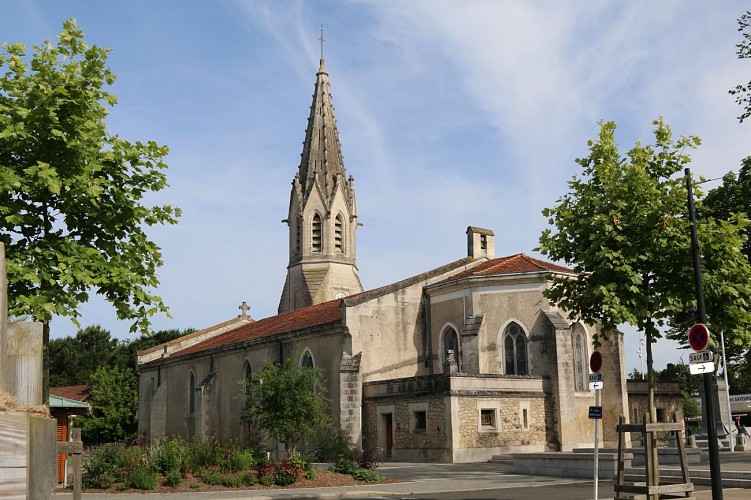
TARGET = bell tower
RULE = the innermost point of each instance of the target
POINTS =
(322, 217)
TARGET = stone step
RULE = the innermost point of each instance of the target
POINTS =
(730, 479)
(502, 459)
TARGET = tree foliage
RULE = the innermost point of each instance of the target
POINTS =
(72, 212)
(289, 402)
(73, 360)
(114, 398)
(742, 92)
(623, 226)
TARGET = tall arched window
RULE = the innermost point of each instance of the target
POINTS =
(339, 234)
(515, 350)
(451, 343)
(317, 233)
(580, 359)
(306, 361)
(247, 379)
(298, 237)
(191, 393)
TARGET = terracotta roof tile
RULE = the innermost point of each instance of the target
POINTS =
(307, 317)
(75, 392)
(513, 264)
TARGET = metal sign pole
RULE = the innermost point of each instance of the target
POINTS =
(597, 445)
(714, 451)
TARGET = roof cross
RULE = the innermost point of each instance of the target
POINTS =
(322, 40)
(244, 307)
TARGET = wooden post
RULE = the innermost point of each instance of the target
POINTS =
(74, 449)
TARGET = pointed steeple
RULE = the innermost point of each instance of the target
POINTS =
(321, 160)
(322, 215)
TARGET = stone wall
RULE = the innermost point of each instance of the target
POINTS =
(516, 411)
(511, 433)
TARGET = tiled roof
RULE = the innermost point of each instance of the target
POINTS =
(513, 264)
(74, 392)
(301, 319)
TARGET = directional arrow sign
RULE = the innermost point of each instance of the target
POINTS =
(596, 386)
(699, 368)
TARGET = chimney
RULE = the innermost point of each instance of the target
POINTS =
(480, 243)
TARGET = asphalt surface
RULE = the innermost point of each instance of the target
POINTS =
(452, 481)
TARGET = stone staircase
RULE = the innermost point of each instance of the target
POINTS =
(672, 475)
(505, 462)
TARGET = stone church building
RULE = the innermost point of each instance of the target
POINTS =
(454, 364)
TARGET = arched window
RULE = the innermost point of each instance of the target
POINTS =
(191, 393)
(247, 379)
(451, 343)
(339, 234)
(317, 233)
(580, 359)
(514, 350)
(298, 237)
(306, 360)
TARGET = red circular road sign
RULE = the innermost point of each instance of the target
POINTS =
(595, 362)
(698, 337)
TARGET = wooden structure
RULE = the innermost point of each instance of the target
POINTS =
(67, 402)
(648, 430)
(74, 448)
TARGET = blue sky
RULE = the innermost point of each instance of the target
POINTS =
(450, 114)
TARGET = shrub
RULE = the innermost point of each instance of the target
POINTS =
(242, 460)
(141, 478)
(343, 466)
(266, 479)
(330, 443)
(172, 478)
(170, 454)
(368, 475)
(206, 453)
(195, 486)
(231, 480)
(104, 466)
(310, 474)
(247, 478)
(212, 477)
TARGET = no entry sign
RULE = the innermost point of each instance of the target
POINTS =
(698, 337)
(595, 362)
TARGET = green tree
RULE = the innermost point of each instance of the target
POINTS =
(114, 401)
(74, 359)
(289, 402)
(72, 212)
(623, 227)
(742, 93)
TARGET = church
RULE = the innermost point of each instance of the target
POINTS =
(453, 364)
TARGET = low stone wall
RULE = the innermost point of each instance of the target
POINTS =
(28, 455)
(668, 456)
(568, 464)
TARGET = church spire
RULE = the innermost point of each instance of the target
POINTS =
(321, 160)
(322, 215)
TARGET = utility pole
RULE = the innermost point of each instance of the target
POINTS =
(709, 410)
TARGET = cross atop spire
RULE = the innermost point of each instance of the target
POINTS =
(321, 39)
